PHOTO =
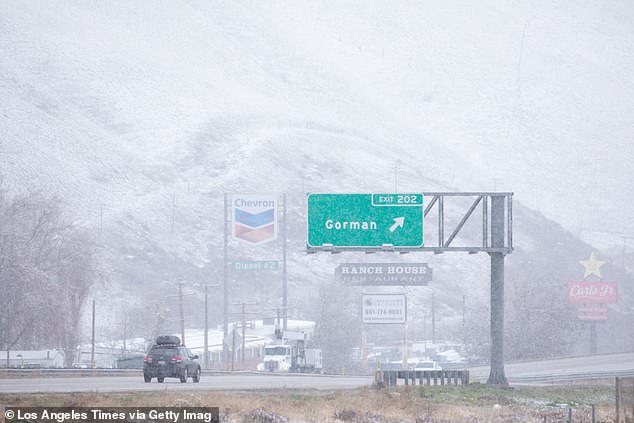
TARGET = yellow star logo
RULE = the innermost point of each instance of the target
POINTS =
(592, 266)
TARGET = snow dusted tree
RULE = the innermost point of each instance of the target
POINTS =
(339, 327)
(46, 269)
(541, 320)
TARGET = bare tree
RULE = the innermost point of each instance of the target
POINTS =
(46, 269)
(540, 321)
(338, 327)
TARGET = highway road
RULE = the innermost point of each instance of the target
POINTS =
(561, 369)
(219, 381)
(544, 371)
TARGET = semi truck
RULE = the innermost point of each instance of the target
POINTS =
(291, 356)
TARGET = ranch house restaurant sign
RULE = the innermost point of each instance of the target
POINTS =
(384, 274)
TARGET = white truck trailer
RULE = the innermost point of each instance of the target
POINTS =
(290, 356)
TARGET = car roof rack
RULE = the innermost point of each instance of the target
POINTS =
(168, 340)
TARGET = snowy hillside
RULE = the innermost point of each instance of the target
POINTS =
(124, 100)
(140, 115)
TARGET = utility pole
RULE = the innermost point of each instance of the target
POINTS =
(433, 318)
(206, 337)
(233, 346)
(180, 301)
(125, 331)
(173, 211)
(425, 332)
(92, 348)
(464, 320)
(364, 352)
(244, 324)
(405, 349)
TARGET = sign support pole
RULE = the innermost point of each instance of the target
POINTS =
(225, 325)
(284, 273)
(496, 375)
(593, 337)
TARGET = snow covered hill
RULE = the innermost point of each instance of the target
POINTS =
(140, 115)
(123, 100)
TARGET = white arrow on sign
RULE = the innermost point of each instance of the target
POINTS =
(398, 223)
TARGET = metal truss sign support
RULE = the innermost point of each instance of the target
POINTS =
(494, 238)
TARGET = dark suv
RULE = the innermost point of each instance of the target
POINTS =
(168, 358)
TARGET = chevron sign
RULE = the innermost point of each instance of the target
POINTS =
(254, 218)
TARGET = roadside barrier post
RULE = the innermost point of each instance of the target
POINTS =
(377, 377)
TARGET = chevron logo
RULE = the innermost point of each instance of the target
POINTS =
(254, 218)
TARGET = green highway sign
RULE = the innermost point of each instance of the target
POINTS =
(365, 220)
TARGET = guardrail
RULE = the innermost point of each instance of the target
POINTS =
(566, 377)
(424, 377)
(67, 372)
(388, 377)
(560, 377)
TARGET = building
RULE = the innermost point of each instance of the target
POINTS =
(41, 359)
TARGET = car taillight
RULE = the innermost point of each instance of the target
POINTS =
(147, 359)
(177, 359)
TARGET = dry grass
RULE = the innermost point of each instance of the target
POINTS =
(476, 403)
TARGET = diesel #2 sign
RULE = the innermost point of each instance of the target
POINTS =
(384, 274)
(255, 265)
(365, 220)
(384, 308)
(254, 218)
